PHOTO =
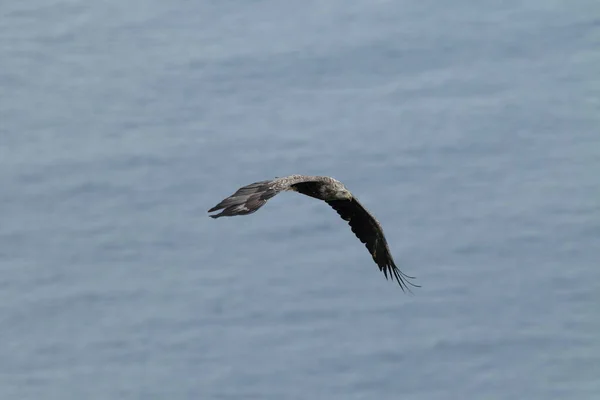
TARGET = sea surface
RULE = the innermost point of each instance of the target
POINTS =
(470, 129)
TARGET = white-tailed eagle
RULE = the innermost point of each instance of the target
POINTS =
(365, 226)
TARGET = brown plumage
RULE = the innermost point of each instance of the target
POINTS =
(365, 226)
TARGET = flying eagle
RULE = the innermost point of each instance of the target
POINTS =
(365, 226)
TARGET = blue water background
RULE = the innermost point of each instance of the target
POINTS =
(470, 129)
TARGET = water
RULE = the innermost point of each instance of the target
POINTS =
(470, 129)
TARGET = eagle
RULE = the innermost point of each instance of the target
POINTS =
(248, 199)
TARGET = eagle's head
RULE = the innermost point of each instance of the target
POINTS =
(337, 191)
(343, 194)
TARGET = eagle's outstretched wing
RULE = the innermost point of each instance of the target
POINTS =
(245, 200)
(369, 231)
(250, 198)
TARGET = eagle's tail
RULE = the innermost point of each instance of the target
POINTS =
(246, 200)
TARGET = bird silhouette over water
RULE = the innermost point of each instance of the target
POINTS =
(365, 226)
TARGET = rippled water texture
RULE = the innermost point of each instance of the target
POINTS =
(470, 129)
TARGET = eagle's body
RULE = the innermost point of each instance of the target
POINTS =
(365, 226)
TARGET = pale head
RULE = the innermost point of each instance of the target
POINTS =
(335, 191)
